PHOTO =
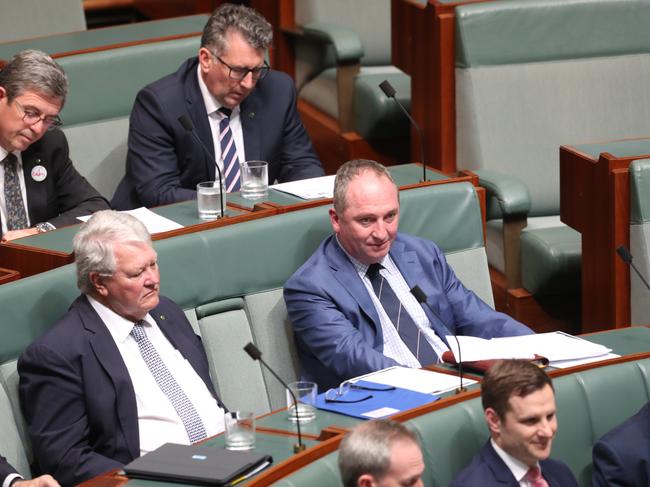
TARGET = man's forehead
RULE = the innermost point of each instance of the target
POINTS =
(522, 405)
(36, 99)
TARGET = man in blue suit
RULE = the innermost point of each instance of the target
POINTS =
(519, 406)
(122, 372)
(227, 87)
(622, 456)
(345, 321)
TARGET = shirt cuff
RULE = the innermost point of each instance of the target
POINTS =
(10, 478)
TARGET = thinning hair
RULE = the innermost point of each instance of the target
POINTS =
(367, 449)
(94, 244)
(349, 171)
(254, 28)
(509, 378)
(33, 70)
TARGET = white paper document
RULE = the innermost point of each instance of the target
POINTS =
(309, 189)
(555, 346)
(565, 364)
(419, 380)
(154, 222)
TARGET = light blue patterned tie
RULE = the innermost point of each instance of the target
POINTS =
(231, 167)
(183, 406)
(16, 216)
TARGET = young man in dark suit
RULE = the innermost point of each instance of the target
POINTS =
(39, 187)
(519, 406)
(239, 108)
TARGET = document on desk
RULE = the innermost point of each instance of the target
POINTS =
(154, 222)
(419, 380)
(555, 346)
(309, 189)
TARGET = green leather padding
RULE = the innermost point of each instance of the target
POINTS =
(620, 148)
(322, 473)
(507, 195)
(640, 192)
(345, 42)
(550, 260)
(104, 84)
(526, 31)
(96, 38)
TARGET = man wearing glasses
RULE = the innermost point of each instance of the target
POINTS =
(39, 187)
(240, 110)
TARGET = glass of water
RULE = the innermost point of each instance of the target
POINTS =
(255, 180)
(208, 196)
(305, 392)
(240, 430)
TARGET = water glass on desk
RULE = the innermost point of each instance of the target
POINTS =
(208, 196)
(254, 180)
(305, 393)
(240, 430)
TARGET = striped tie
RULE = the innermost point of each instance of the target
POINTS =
(165, 380)
(228, 152)
(16, 215)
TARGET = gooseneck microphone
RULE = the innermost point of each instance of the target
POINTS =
(255, 354)
(422, 298)
(626, 257)
(390, 92)
(185, 121)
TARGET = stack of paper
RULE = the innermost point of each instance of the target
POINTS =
(309, 189)
(418, 380)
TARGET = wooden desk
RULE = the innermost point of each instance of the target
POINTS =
(595, 201)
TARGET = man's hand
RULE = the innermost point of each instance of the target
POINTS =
(14, 234)
(42, 481)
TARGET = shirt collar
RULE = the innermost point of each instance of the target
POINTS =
(119, 327)
(518, 468)
(211, 103)
(358, 265)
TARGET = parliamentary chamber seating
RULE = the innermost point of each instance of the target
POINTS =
(229, 281)
(22, 19)
(106, 68)
(640, 239)
(532, 75)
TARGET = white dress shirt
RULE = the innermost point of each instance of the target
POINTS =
(10, 478)
(158, 421)
(23, 189)
(212, 109)
(518, 468)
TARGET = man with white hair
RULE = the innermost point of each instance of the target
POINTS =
(122, 372)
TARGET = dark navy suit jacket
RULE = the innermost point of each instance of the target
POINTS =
(77, 396)
(487, 469)
(164, 163)
(336, 326)
(64, 194)
(622, 456)
(5, 469)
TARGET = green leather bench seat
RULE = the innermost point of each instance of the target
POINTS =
(588, 403)
(640, 239)
(229, 282)
(532, 75)
(33, 18)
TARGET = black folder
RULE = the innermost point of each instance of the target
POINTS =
(196, 464)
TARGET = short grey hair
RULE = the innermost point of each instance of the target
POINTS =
(367, 449)
(33, 70)
(349, 171)
(94, 244)
(255, 29)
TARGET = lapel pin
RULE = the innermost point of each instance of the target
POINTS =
(251, 114)
(162, 317)
(39, 173)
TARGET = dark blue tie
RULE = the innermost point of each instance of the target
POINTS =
(231, 167)
(406, 327)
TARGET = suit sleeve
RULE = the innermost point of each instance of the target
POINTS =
(5, 469)
(323, 331)
(152, 159)
(54, 406)
(299, 161)
(608, 469)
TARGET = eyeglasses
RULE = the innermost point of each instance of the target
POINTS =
(32, 117)
(338, 394)
(239, 73)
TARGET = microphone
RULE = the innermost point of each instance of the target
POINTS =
(422, 298)
(255, 354)
(626, 257)
(390, 92)
(185, 121)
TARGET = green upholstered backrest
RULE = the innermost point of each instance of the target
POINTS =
(640, 238)
(532, 75)
(22, 19)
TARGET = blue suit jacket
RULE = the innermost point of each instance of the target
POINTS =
(5, 469)
(487, 469)
(164, 162)
(337, 329)
(622, 456)
(77, 396)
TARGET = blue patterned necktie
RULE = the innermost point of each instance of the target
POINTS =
(165, 380)
(231, 168)
(406, 327)
(16, 216)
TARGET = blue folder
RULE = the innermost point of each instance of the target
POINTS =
(397, 399)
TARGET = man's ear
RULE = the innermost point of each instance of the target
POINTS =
(493, 421)
(366, 480)
(205, 59)
(97, 281)
(334, 219)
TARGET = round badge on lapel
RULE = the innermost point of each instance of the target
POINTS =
(39, 173)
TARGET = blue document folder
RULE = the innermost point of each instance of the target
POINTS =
(381, 404)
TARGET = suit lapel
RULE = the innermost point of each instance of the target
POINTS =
(36, 191)
(196, 109)
(500, 470)
(109, 357)
(250, 127)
